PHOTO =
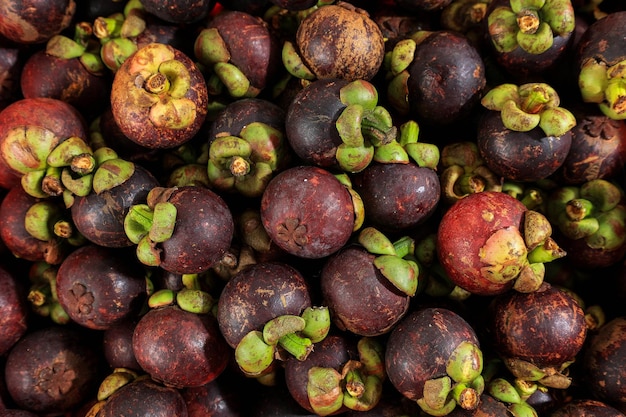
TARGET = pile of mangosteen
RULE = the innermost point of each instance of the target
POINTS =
(312, 207)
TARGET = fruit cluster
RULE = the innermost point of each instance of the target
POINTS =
(312, 207)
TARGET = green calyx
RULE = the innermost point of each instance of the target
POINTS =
(212, 53)
(362, 125)
(528, 106)
(83, 46)
(593, 212)
(394, 260)
(528, 372)
(604, 85)
(247, 162)
(530, 24)
(289, 333)
(357, 386)
(464, 172)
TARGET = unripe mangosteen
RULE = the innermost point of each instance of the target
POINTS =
(603, 363)
(179, 11)
(99, 216)
(582, 407)
(35, 21)
(397, 197)
(159, 97)
(489, 242)
(339, 41)
(436, 77)
(52, 370)
(99, 287)
(13, 322)
(142, 398)
(307, 212)
(538, 333)
(192, 230)
(180, 348)
(433, 357)
(360, 298)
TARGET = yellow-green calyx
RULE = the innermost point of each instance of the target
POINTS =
(530, 24)
(161, 83)
(605, 85)
(528, 106)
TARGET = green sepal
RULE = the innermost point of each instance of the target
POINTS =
(503, 29)
(348, 125)
(299, 347)
(112, 173)
(163, 221)
(266, 143)
(195, 301)
(503, 390)
(354, 159)
(40, 218)
(253, 355)
(517, 119)
(114, 381)
(31, 183)
(372, 355)
(324, 390)
(293, 63)
(317, 323)
(80, 186)
(402, 55)
(161, 298)
(465, 363)
(498, 96)
(370, 397)
(235, 81)
(359, 92)
(138, 222)
(374, 241)
(64, 152)
(61, 46)
(604, 194)
(400, 272)
(280, 326)
(398, 93)
(425, 155)
(560, 15)
(519, 5)
(27, 148)
(593, 81)
(147, 253)
(538, 42)
(210, 48)
(522, 409)
(436, 395)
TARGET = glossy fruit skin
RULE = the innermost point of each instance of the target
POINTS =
(398, 197)
(361, 300)
(203, 232)
(144, 397)
(99, 217)
(257, 294)
(307, 212)
(546, 327)
(180, 348)
(117, 345)
(598, 148)
(310, 122)
(16, 238)
(603, 361)
(45, 75)
(261, 63)
(447, 77)
(586, 408)
(52, 370)
(465, 228)
(99, 287)
(14, 318)
(341, 41)
(35, 21)
(603, 41)
(332, 352)
(57, 116)
(520, 156)
(420, 345)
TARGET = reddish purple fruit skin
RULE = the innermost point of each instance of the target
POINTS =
(179, 348)
(35, 21)
(307, 212)
(361, 300)
(465, 228)
(13, 320)
(257, 294)
(604, 360)
(420, 345)
(546, 327)
(144, 397)
(99, 287)
(586, 408)
(332, 352)
(202, 234)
